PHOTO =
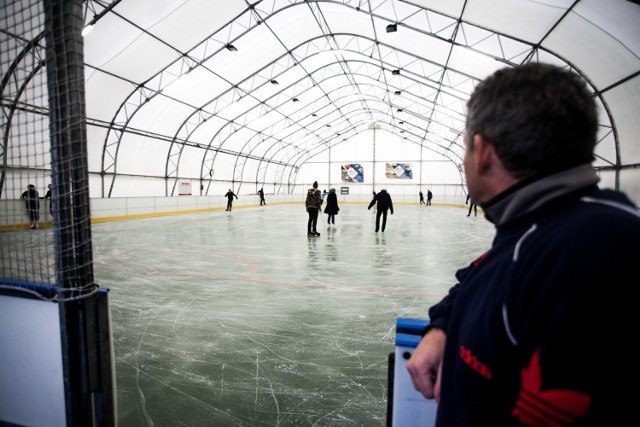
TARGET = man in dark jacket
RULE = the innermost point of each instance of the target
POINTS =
(383, 203)
(32, 200)
(230, 195)
(538, 329)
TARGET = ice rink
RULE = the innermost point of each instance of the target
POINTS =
(239, 319)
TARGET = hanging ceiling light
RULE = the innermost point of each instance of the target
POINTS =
(230, 47)
(86, 30)
(392, 28)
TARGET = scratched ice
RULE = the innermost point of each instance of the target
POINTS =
(239, 319)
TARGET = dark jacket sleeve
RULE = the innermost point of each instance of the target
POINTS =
(440, 313)
(373, 202)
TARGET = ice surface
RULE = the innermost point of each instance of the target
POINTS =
(239, 319)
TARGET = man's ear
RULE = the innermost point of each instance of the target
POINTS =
(484, 154)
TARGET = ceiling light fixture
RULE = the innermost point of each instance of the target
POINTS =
(399, 110)
(90, 7)
(86, 30)
(230, 47)
(274, 82)
(397, 92)
(395, 72)
(392, 28)
(296, 100)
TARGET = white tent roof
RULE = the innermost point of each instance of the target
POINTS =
(167, 97)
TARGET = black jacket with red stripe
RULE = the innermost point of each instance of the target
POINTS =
(539, 328)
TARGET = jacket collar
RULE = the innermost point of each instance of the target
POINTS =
(529, 195)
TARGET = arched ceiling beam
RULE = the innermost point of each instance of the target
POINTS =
(289, 123)
(214, 45)
(31, 57)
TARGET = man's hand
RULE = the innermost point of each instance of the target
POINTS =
(425, 365)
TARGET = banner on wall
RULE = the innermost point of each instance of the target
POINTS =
(399, 171)
(352, 172)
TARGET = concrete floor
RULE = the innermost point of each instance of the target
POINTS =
(239, 319)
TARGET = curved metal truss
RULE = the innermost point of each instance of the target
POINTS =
(27, 65)
(428, 91)
(360, 80)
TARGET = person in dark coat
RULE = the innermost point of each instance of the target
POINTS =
(313, 204)
(516, 339)
(230, 195)
(429, 197)
(422, 199)
(331, 209)
(261, 194)
(383, 203)
(48, 196)
(471, 205)
(31, 198)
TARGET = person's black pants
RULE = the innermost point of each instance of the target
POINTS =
(313, 221)
(34, 215)
(331, 219)
(384, 219)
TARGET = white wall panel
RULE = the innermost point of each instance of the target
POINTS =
(95, 145)
(104, 94)
(142, 156)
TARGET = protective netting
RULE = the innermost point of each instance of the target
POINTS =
(45, 236)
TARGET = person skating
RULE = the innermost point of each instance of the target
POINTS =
(331, 208)
(472, 205)
(230, 195)
(383, 203)
(313, 204)
(31, 198)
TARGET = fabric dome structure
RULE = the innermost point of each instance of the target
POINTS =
(242, 93)
(111, 109)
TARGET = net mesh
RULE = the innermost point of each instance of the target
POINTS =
(45, 237)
